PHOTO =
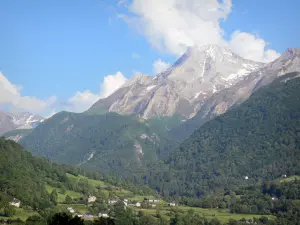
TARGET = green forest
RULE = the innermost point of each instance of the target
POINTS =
(257, 140)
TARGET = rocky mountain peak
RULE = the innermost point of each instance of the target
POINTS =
(140, 78)
(292, 52)
(182, 88)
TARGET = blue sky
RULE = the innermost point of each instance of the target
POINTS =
(56, 54)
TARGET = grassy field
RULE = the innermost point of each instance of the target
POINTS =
(20, 213)
(61, 197)
(289, 179)
(222, 214)
(96, 183)
(118, 192)
(77, 207)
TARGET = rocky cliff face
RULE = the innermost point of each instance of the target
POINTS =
(220, 102)
(183, 88)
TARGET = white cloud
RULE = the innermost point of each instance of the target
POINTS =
(159, 66)
(82, 101)
(173, 25)
(10, 96)
(111, 83)
(253, 47)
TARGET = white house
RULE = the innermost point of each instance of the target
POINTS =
(112, 201)
(172, 204)
(153, 200)
(92, 199)
(138, 204)
(153, 205)
(104, 215)
(15, 202)
(79, 215)
(71, 210)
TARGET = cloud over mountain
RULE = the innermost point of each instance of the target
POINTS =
(174, 25)
(11, 97)
(81, 101)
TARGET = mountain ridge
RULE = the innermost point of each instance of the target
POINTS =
(182, 88)
(220, 102)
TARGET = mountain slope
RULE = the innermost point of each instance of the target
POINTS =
(16, 135)
(23, 176)
(183, 88)
(222, 101)
(110, 143)
(11, 121)
(259, 139)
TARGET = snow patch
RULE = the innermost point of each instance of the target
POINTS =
(151, 87)
(87, 158)
(239, 74)
(203, 68)
(197, 94)
(250, 66)
(91, 156)
(214, 89)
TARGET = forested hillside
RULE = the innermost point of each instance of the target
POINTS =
(23, 176)
(260, 139)
(109, 143)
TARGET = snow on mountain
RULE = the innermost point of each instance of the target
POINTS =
(27, 120)
(219, 103)
(12, 121)
(183, 88)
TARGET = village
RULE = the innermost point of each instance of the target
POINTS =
(106, 197)
(145, 204)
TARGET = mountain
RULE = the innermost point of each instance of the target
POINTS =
(256, 140)
(110, 143)
(183, 88)
(222, 101)
(24, 120)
